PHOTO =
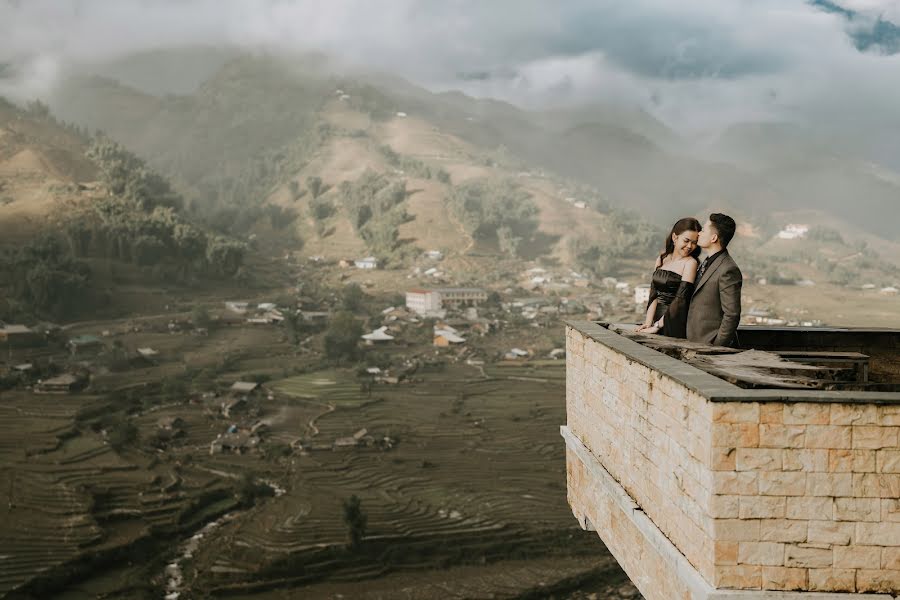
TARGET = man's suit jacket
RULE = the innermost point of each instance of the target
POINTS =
(716, 304)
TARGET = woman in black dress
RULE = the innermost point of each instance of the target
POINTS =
(673, 281)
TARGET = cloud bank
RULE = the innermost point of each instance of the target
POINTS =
(699, 65)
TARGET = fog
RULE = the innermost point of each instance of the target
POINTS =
(698, 66)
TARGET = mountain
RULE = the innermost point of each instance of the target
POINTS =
(42, 163)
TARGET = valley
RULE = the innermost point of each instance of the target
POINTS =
(213, 380)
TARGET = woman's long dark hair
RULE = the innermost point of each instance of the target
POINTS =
(680, 226)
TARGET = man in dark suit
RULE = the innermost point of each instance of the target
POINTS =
(716, 303)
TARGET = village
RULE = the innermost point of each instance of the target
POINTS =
(221, 400)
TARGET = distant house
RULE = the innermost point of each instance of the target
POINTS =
(447, 337)
(642, 294)
(237, 307)
(580, 204)
(86, 345)
(888, 291)
(62, 384)
(19, 335)
(377, 336)
(434, 254)
(243, 387)
(237, 441)
(515, 354)
(793, 231)
(423, 301)
(369, 262)
(401, 114)
(234, 406)
(461, 297)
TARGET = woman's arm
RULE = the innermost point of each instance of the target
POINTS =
(648, 318)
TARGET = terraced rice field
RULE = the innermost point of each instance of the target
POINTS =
(476, 474)
(65, 494)
(466, 469)
(335, 387)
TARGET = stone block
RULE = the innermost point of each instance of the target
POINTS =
(828, 436)
(887, 461)
(876, 485)
(736, 530)
(798, 555)
(723, 459)
(810, 461)
(832, 580)
(735, 412)
(878, 534)
(807, 413)
(872, 580)
(781, 436)
(761, 553)
(758, 459)
(830, 532)
(783, 530)
(890, 560)
(771, 412)
(855, 461)
(890, 510)
(889, 415)
(743, 435)
(829, 484)
(854, 414)
(740, 484)
(783, 579)
(813, 509)
(857, 509)
(762, 507)
(783, 483)
(726, 553)
(856, 557)
(739, 577)
(874, 438)
(724, 507)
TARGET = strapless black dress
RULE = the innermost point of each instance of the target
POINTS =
(673, 298)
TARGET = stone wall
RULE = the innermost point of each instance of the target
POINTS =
(651, 434)
(806, 496)
(755, 490)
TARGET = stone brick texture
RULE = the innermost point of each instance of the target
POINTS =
(756, 495)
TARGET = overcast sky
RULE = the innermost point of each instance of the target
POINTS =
(697, 64)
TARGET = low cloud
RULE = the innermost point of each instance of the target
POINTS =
(698, 66)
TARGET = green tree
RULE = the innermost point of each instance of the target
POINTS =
(342, 337)
(355, 519)
(200, 317)
(352, 297)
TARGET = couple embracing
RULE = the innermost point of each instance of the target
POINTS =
(700, 301)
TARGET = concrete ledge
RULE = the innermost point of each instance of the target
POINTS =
(676, 565)
(711, 387)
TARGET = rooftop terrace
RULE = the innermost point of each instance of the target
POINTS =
(717, 473)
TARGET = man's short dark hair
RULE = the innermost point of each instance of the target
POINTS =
(724, 226)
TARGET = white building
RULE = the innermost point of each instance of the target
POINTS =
(369, 262)
(423, 301)
(889, 291)
(793, 231)
(379, 335)
(642, 294)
